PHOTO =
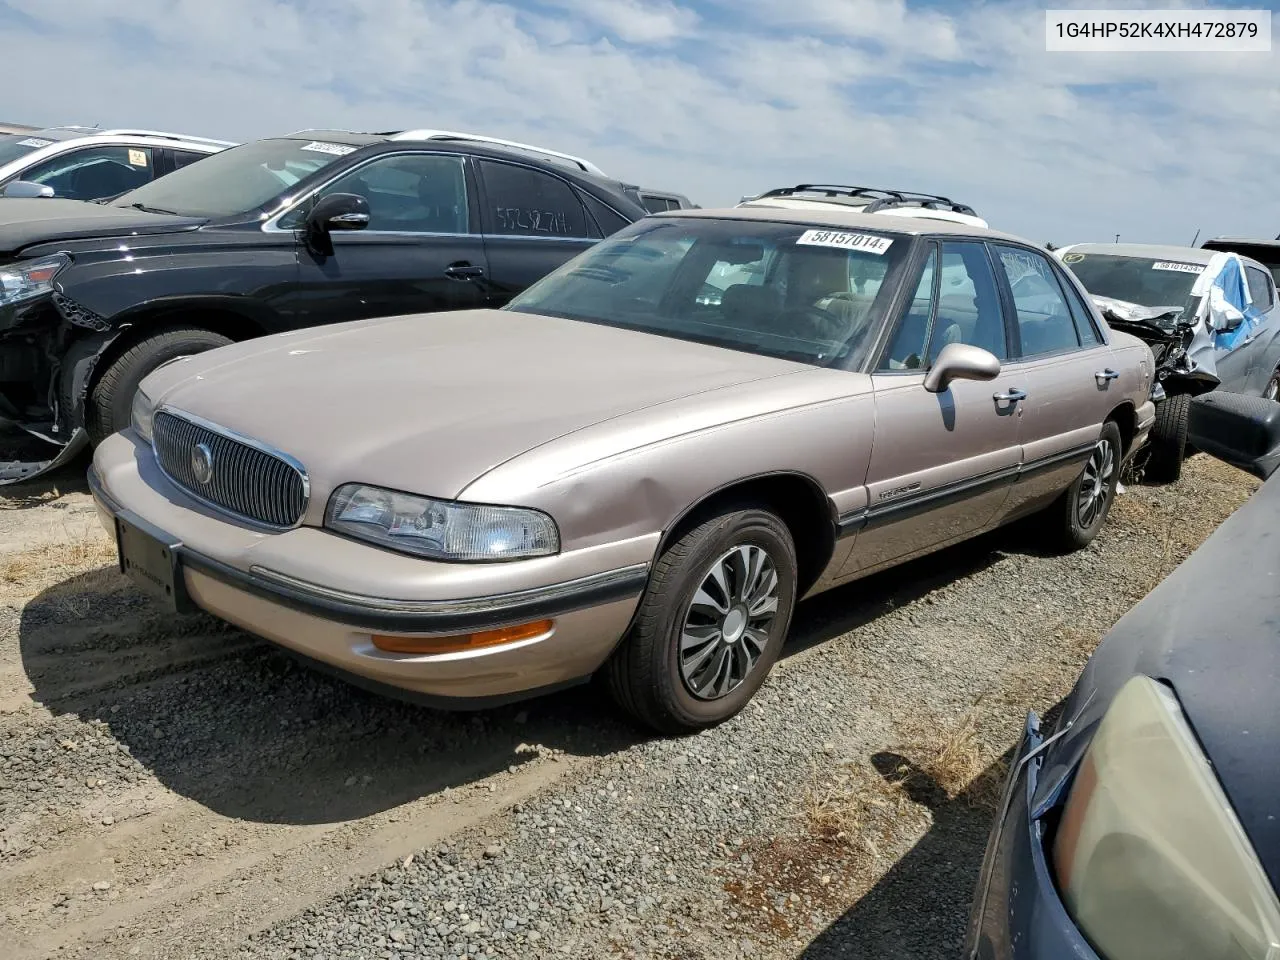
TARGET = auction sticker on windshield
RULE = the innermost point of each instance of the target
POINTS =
(846, 241)
(334, 149)
(34, 142)
(1180, 267)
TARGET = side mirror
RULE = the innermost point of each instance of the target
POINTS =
(961, 361)
(1226, 319)
(1239, 430)
(25, 189)
(337, 211)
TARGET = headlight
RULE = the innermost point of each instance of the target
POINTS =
(440, 529)
(140, 414)
(30, 278)
(1150, 857)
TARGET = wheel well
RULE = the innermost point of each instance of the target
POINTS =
(225, 322)
(1126, 418)
(797, 500)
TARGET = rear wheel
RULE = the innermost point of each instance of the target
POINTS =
(710, 625)
(107, 409)
(1168, 444)
(1078, 515)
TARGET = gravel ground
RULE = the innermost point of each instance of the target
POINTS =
(173, 788)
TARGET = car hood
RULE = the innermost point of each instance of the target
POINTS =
(24, 222)
(1211, 629)
(426, 403)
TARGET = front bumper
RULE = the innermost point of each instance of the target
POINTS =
(314, 593)
(1017, 914)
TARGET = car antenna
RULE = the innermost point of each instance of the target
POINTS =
(1195, 238)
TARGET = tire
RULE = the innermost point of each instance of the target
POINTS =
(110, 399)
(1168, 444)
(667, 689)
(1080, 513)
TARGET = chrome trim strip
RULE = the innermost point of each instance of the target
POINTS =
(472, 605)
(240, 438)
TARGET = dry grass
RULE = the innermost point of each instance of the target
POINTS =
(53, 563)
(932, 764)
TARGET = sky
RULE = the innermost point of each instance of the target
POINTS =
(715, 98)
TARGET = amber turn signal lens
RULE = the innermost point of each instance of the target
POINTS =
(466, 641)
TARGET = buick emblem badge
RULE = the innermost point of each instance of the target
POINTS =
(202, 463)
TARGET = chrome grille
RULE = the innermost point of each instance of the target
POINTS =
(243, 479)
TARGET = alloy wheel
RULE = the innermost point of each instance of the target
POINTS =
(726, 626)
(1095, 487)
(1272, 389)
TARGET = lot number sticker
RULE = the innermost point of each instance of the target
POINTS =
(334, 149)
(1179, 267)
(34, 142)
(137, 158)
(846, 241)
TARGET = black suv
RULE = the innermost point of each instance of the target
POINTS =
(318, 227)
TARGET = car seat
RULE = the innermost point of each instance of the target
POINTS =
(749, 306)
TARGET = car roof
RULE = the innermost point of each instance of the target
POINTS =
(838, 219)
(1144, 251)
(1227, 243)
(425, 135)
(64, 133)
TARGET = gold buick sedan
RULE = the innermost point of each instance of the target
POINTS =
(638, 466)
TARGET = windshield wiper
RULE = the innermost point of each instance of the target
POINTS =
(145, 209)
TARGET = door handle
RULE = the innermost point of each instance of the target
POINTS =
(463, 271)
(1248, 340)
(1012, 395)
(1107, 374)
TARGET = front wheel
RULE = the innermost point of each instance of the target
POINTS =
(107, 409)
(710, 625)
(1078, 515)
(1168, 443)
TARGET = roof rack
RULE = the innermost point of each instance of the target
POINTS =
(131, 132)
(878, 198)
(569, 158)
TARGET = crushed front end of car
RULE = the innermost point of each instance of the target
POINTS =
(49, 347)
(1183, 345)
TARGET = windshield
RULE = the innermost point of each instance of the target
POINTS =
(1140, 280)
(19, 145)
(775, 289)
(235, 181)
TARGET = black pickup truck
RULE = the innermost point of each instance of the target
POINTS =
(317, 227)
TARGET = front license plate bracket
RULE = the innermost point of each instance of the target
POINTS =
(152, 560)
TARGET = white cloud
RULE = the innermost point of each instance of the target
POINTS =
(717, 101)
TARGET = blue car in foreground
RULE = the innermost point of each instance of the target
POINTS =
(1146, 824)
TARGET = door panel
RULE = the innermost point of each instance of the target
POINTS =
(533, 222)
(1067, 374)
(418, 254)
(941, 464)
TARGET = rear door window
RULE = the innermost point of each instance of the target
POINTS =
(1259, 288)
(524, 202)
(1044, 319)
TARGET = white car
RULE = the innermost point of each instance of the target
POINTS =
(898, 203)
(82, 163)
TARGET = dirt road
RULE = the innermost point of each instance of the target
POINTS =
(172, 787)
